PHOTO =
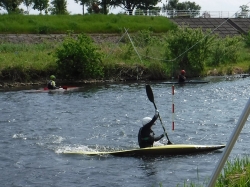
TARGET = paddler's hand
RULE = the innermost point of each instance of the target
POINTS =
(162, 135)
(157, 113)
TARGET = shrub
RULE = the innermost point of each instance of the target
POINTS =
(225, 51)
(79, 58)
(247, 39)
(188, 48)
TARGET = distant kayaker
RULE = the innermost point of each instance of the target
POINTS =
(52, 84)
(181, 77)
(146, 135)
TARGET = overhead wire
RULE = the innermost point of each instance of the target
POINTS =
(184, 52)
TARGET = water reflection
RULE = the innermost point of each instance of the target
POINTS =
(148, 166)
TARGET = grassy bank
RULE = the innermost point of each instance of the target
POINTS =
(234, 174)
(138, 54)
(96, 23)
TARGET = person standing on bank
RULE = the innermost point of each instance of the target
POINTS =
(146, 136)
(181, 77)
(52, 84)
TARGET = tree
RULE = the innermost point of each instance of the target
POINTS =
(11, 6)
(171, 5)
(174, 5)
(28, 4)
(187, 6)
(83, 3)
(128, 5)
(244, 8)
(244, 11)
(191, 7)
(41, 5)
(59, 7)
(148, 4)
(105, 4)
(94, 8)
(93, 5)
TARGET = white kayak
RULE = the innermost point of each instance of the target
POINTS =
(173, 149)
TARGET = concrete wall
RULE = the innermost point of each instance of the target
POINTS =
(221, 26)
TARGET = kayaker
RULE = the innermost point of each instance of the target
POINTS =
(181, 77)
(52, 84)
(146, 135)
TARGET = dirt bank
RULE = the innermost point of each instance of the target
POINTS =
(44, 83)
(39, 38)
(98, 38)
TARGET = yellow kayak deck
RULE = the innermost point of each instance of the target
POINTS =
(173, 149)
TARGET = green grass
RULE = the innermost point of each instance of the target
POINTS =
(236, 173)
(25, 62)
(120, 60)
(96, 23)
(35, 56)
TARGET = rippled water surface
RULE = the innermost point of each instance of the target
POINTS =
(37, 127)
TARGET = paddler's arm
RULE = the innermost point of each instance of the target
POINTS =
(149, 125)
(54, 85)
(158, 137)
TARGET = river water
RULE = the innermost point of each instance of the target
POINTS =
(36, 128)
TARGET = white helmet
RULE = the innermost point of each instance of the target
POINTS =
(146, 120)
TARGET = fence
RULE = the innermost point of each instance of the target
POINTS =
(189, 13)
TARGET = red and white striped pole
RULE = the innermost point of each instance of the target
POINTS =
(172, 107)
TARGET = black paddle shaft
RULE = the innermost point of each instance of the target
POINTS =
(151, 98)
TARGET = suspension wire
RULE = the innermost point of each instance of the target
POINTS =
(117, 43)
(174, 59)
(135, 50)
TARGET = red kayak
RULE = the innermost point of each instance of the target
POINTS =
(60, 89)
(63, 88)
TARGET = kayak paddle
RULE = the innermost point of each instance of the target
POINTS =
(151, 98)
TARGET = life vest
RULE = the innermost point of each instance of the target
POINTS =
(50, 85)
(145, 141)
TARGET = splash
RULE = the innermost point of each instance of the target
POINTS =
(19, 136)
(74, 148)
(85, 148)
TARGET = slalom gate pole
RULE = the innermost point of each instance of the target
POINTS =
(173, 107)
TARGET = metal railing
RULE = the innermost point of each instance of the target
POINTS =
(190, 13)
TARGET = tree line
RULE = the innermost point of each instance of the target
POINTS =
(59, 7)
